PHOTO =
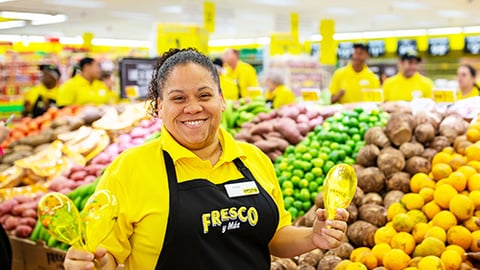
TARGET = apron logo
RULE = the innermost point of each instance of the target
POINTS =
(229, 218)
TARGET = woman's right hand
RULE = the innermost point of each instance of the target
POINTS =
(78, 259)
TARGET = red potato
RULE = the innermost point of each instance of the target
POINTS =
(124, 138)
(145, 123)
(59, 184)
(138, 132)
(138, 140)
(22, 198)
(312, 114)
(23, 231)
(11, 223)
(30, 213)
(4, 218)
(76, 168)
(79, 175)
(103, 158)
(302, 118)
(7, 206)
(19, 209)
(67, 190)
(304, 128)
(288, 128)
(29, 221)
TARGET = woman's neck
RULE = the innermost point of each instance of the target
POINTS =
(211, 152)
(466, 89)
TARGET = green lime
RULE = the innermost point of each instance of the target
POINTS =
(341, 154)
(297, 164)
(304, 194)
(307, 157)
(288, 192)
(288, 201)
(282, 179)
(314, 145)
(298, 156)
(295, 180)
(306, 166)
(349, 161)
(306, 205)
(358, 110)
(320, 180)
(312, 186)
(328, 165)
(286, 174)
(353, 130)
(283, 166)
(287, 184)
(334, 156)
(318, 162)
(301, 148)
(293, 212)
(298, 172)
(356, 137)
(313, 152)
(372, 119)
(297, 204)
(290, 149)
(334, 146)
(309, 176)
(326, 143)
(317, 171)
(303, 183)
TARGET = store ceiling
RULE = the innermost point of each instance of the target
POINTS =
(130, 19)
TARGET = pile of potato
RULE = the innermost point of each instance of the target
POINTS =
(18, 215)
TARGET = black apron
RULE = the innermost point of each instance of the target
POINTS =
(41, 105)
(207, 229)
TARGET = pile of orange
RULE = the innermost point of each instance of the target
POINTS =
(433, 226)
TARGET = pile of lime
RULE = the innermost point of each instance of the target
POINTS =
(302, 168)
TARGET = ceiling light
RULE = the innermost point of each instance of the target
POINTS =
(409, 33)
(38, 39)
(347, 36)
(53, 19)
(316, 37)
(120, 42)
(77, 3)
(283, 3)
(11, 38)
(408, 5)
(444, 31)
(172, 9)
(452, 13)
(71, 40)
(12, 24)
(232, 42)
(378, 34)
(3, 1)
(471, 29)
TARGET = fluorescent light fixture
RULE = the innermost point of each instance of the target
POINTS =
(38, 39)
(283, 3)
(452, 13)
(11, 38)
(239, 41)
(316, 37)
(347, 36)
(172, 9)
(120, 42)
(263, 40)
(444, 31)
(53, 19)
(71, 40)
(77, 3)
(409, 33)
(12, 24)
(24, 15)
(408, 5)
(4, 1)
(471, 29)
(378, 34)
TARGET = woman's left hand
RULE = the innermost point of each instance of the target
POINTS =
(328, 234)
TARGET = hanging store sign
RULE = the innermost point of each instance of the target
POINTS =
(438, 46)
(135, 75)
(472, 45)
(406, 45)
(376, 48)
(345, 50)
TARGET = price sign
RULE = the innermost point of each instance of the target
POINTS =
(376, 48)
(310, 94)
(438, 46)
(135, 72)
(472, 45)
(372, 95)
(345, 50)
(444, 95)
(254, 92)
(406, 45)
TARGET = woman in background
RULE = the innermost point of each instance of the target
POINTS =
(466, 75)
(278, 94)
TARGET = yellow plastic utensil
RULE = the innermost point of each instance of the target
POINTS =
(339, 188)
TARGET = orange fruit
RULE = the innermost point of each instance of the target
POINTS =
(448, 150)
(368, 259)
(459, 235)
(379, 251)
(475, 196)
(443, 194)
(396, 259)
(356, 252)
(467, 170)
(458, 181)
(472, 152)
(427, 194)
(403, 223)
(474, 164)
(458, 249)
(419, 181)
(384, 235)
(394, 209)
(436, 232)
(457, 161)
(412, 201)
(474, 182)
(431, 209)
(451, 260)
(419, 231)
(444, 219)
(471, 224)
(475, 237)
(342, 265)
(462, 207)
(403, 241)
(429, 246)
(441, 170)
(473, 134)
(356, 266)
(441, 157)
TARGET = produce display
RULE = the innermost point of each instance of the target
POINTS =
(302, 169)
(273, 132)
(242, 111)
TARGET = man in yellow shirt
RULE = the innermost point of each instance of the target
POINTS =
(347, 82)
(277, 92)
(242, 73)
(227, 85)
(408, 83)
(44, 95)
(84, 88)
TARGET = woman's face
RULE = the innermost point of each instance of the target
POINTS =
(192, 106)
(465, 78)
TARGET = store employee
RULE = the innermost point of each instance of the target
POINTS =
(84, 88)
(195, 198)
(43, 96)
(242, 73)
(278, 94)
(408, 83)
(466, 78)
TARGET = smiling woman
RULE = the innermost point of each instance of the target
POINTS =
(195, 190)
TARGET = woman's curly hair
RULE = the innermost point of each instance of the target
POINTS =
(165, 65)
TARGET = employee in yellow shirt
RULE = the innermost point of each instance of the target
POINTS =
(408, 83)
(278, 94)
(242, 73)
(466, 76)
(44, 95)
(347, 82)
(84, 88)
(229, 87)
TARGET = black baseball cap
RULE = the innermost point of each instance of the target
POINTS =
(362, 46)
(410, 55)
(53, 69)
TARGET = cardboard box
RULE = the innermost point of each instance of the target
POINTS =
(28, 255)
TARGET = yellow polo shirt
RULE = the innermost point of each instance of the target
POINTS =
(473, 93)
(33, 93)
(138, 178)
(244, 75)
(352, 82)
(79, 91)
(281, 95)
(229, 87)
(400, 88)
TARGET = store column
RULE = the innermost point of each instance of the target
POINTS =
(328, 55)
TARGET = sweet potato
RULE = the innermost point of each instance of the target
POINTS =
(399, 181)
(30, 213)
(7, 206)
(29, 221)
(265, 146)
(361, 234)
(328, 262)
(392, 197)
(440, 142)
(417, 164)
(424, 133)
(78, 175)
(304, 128)
(372, 197)
(410, 149)
(255, 138)
(367, 156)
(288, 128)
(20, 208)
(376, 136)
(11, 223)
(280, 143)
(23, 231)
(390, 161)
(399, 130)
(274, 134)
(38, 139)
(274, 154)
(262, 128)
(371, 179)
(373, 213)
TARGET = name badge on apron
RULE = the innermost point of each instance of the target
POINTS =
(242, 189)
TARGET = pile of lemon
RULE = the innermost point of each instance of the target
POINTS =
(433, 226)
